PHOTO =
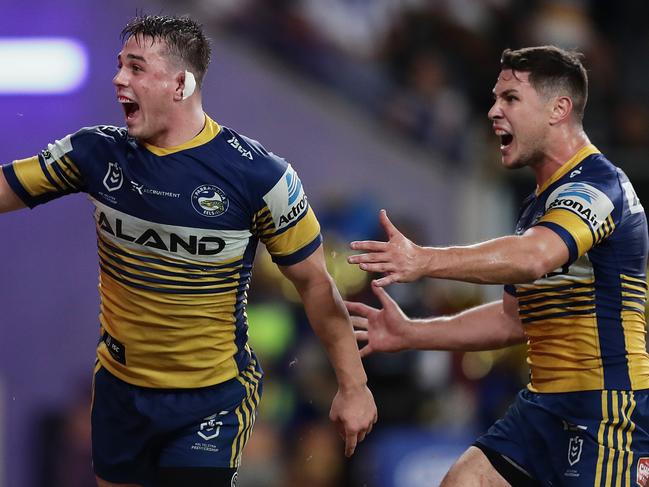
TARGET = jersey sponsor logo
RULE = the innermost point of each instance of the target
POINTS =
(588, 202)
(142, 190)
(295, 211)
(114, 177)
(170, 242)
(287, 201)
(575, 447)
(209, 200)
(642, 472)
(234, 142)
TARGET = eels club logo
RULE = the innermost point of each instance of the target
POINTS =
(209, 200)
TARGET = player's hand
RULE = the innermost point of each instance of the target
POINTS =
(353, 411)
(384, 330)
(399, 258)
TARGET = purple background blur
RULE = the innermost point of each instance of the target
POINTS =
(48, 275)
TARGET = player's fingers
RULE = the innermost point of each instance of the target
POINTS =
(384, 281)
(382, 294)
(368, 257)
(378, 267)
(360, 309)
(366, 350)
(361, 336)
(367, 245)
(390, 229)
(359, 323)
(350, 444)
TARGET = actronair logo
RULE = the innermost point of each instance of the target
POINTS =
(286, 200)
(588, 202)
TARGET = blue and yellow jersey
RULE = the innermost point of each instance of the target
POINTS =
(177, 230)
(586, 321)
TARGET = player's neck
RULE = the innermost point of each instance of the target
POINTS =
(563, 146)
(185, 124)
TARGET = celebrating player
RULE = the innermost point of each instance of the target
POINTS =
(180, 203)
(575, 290)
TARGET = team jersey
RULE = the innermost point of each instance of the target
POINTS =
(585, 322)
(177, 231)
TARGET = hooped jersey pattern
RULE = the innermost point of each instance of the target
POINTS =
(586, 321)
(177, 230)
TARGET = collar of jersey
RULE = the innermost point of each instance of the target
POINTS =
(210, 130)
(581, 154)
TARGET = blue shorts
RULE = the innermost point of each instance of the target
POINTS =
(590, 438)
(136, 430)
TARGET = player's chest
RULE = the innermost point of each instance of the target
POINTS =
(171, 192)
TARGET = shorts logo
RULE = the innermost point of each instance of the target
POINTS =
(642, 473)
(210, 428)
(209, 200)
(233, 482)
(114, 178)
(574, 449)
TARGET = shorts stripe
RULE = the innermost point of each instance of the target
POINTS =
(245, 412)
(614, 438)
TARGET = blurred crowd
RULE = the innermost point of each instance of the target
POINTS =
(424, 68)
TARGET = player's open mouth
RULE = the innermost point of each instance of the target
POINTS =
(505, 140)
(131, 109)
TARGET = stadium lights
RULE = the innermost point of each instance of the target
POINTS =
(41, 65)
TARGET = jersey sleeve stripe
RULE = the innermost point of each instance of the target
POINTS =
(46, 171)
(573, 225)
(300, 255)
(15, 184)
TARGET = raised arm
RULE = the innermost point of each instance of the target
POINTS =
(487, 327)
(506, 260)
(353, 409)
(8, 199)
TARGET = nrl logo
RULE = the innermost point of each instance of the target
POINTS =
(114, 177)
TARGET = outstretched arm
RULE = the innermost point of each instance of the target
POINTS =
(505, 260)
(487, 327)
(8, 199)
(353, 409)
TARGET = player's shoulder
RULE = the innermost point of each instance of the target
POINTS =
(251, 157)
(103, 133)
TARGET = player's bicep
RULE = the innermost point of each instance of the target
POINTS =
(549, 248)
(9, 200)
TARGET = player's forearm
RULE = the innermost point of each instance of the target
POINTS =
(505, 260)
(330, 322)
(8, 199)
(485, 327)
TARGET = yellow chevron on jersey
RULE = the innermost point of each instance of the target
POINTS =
(585, 321)
(177, 231)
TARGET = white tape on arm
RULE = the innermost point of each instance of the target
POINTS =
(190, 84)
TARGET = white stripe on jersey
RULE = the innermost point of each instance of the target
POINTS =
(170, 241)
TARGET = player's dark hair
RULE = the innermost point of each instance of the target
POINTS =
(552, 70)
(183, 36)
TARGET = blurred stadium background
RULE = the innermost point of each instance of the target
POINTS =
(377, 103)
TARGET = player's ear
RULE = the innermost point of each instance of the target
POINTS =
(185, 85)
(561, 109)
